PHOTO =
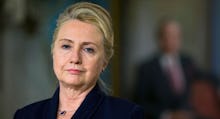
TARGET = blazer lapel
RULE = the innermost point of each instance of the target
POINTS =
(51, 111)
(90, 104)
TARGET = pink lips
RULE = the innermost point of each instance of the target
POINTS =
(74, 71)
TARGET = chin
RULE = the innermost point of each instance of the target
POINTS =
(72, 81)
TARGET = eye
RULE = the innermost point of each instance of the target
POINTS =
(66, 46)
(89, 50)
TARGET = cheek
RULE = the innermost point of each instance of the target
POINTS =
(95, 65)
(58, 62)
(55, 65)
(60, 57)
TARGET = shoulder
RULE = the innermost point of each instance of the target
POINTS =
(186, 57)
(36, 106)
(187, 61)
(152, 60)
(149, 65)
(118, 101)
(33, 109)
(123, 107)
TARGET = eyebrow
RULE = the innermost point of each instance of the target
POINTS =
(88, 43)
(65, 39)
(71, 41)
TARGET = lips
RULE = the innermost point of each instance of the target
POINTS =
(74, 71)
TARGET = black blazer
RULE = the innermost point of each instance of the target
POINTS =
(96, 105)
(154, 92)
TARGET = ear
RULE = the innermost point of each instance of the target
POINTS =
(105, 64)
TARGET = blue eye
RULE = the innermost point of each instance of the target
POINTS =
(66, 46)
(89, 50)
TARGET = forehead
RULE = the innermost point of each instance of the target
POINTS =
(171, 26)
(78, 30)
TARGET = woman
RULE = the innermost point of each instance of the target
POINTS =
(81, 49)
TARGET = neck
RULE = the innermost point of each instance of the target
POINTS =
(71, 98)
(171, 53)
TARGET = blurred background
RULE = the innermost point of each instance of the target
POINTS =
(27, 26)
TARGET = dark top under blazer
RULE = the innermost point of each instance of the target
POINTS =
(96, 105)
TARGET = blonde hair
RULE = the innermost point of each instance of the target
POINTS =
(92, 14)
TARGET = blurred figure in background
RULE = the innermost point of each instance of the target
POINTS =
(164, 81)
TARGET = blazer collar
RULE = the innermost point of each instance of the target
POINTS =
(86, 109)
(90, 104)
(53, 106)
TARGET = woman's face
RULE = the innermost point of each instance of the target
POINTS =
(78, 54)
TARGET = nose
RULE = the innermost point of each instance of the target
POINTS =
(76, 56)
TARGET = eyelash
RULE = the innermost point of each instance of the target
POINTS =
(88, 50)
(66, 46)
